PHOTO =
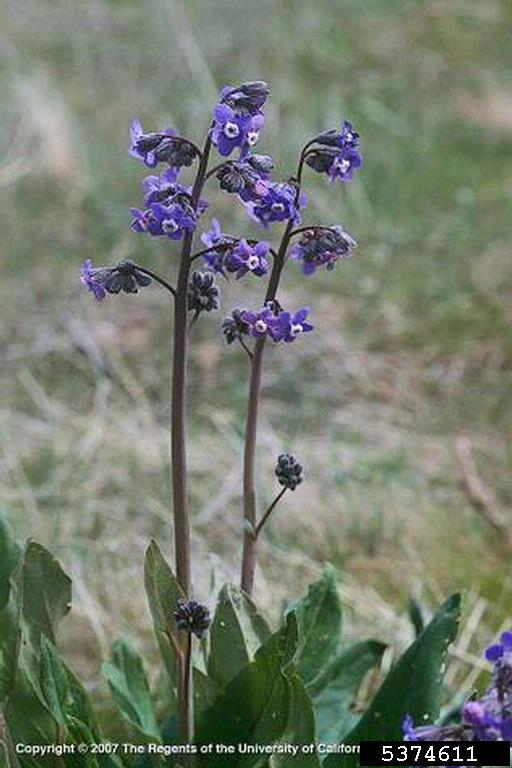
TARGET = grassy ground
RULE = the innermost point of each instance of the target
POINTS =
(413, 342)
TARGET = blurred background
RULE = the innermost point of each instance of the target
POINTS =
(400, 404)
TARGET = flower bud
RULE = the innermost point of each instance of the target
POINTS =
(289, 471)
(192, 617)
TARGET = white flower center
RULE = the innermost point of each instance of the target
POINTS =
(170, 226)
(252, 138)
(296, 329)
(278, 207)
(343, 165)
(253, 262)
(231, 130)
(349, 136)
(260, 326)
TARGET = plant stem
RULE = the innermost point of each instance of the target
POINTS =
(186, 714)
(269, 512)
(178, 441)
(251, 428)
(157, 279)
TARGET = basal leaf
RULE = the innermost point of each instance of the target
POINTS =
(337, 687)
(130, 689)
(319, 617)
(163, 593)
(299, 730)
(254, 707)
(44, 592)
(413, 686)
(9, 640)
(237, 631)
(10, 553)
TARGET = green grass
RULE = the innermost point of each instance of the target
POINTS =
(413, 342)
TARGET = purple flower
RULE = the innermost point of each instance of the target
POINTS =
(278, 204)
(344, 164)
(125, 276)
(143, 145)
(248, 178)
(230, 129)
(157, 189)
(278, 325)
(246, 258)
(323, 246)
(260, 323)
(94, 278)
(165, 220)
(220, 244)
(344, 138)
(288, 327)
(248, 97)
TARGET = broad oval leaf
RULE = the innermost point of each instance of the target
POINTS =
(413, 686)
(43, 591)
(237, 631)
(163, 592)
(254, 707)
(319, 618)
(335, 690)
(300, 730)
(128, 683)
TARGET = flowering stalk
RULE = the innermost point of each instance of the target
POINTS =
(179, 451)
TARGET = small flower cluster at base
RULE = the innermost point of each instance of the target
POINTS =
(125, 277)
(230, 254)
(203, 294)
(337, 153)
(485, 719)
(289, 471)
(248, 178)
(192, 617)
(238, 119)
(323, 246)
(169, 210)
(162, 147)
(234, 326)
(277, 324)
(280, 203)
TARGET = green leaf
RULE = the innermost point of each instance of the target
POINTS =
(416, 616)
(9, 642)
(29, 721)
(163, 593)
(79, 733)
(62, 691)
(255, 705)
(319, 617)
(205, 693)
(299, 730)
(44, 592)
(10, 552)
(130, 689)
(337, 687)
(54, 682)
(237, 631)
(413, 686)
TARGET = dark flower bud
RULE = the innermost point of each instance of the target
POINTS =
(250, 96)
(192, 617)
(175, 151)
(203, 294)
(231, 178)
(289, 471)
(320, 160)
(234, 326)
(328, 138)
(126, 277)
(260, 163)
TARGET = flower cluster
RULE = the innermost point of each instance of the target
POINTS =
(289, 471)
(485, 719)
(238, 118)
(323, 246)
(162, 147)
(192, 617)
(248, 178)
(234, 255)
(203, 295)
(275, 323)
(281, 202)
(168, 207)
(234, 327)
(336, 153)
(125, 277)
